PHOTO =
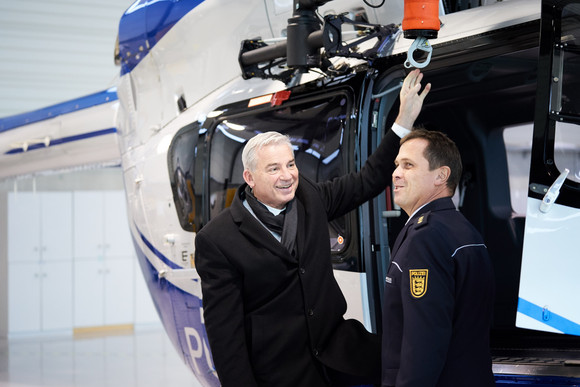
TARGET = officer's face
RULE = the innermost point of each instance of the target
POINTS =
(275, 179)
(415, 185)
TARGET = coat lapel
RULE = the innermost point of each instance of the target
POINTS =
(400, 238)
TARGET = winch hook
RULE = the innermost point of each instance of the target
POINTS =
(421, 43)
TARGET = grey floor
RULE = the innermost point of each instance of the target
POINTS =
(144, 358)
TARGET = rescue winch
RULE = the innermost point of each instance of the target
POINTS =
(420, 22)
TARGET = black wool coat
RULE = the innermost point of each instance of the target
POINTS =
(277, 320)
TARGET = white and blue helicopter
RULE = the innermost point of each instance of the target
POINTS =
(506, 89)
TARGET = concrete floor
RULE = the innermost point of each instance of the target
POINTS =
(143, 358)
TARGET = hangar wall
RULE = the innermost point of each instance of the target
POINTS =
(53, 51)
(50, 52)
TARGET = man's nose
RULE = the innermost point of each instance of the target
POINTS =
(397, 173)
(285, 173)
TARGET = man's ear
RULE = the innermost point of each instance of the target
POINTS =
(248, 178)
(443, 174)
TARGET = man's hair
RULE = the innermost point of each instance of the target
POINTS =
(440, 151)
(258, 142)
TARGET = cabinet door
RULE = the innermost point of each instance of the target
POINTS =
(23, 227)
(24, 297)
(88, 293)
(56, 226)
(119, 291)
(57, 295)
(145, 312)
(88, 224)
(117, 237)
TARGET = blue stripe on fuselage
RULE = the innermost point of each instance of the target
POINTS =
(178, 310)
(144, 24)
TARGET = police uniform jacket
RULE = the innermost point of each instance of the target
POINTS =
(273, 319)
(438, 303)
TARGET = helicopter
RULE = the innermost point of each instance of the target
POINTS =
(505, 89)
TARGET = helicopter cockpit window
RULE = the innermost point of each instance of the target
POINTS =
(567, 91)
(181, 164)
(316, 128)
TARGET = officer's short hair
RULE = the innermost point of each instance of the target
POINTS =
(258, 142)
(440, 151)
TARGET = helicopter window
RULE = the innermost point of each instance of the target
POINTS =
(316, 128)
(518, 144)
(181, 164)
(567, 149)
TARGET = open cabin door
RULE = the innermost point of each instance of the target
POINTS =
(549, 293)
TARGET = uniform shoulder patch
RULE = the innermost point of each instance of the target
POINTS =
(422, 220)
(418, 282)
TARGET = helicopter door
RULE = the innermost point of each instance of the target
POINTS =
(550, 271)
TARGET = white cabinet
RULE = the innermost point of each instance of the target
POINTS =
(88, 225)
(39, 226)
(24, 241)
(119, 291)
(39, 261)
(101, 228)
(104, 292)
(117, 234)
(71, 263)
(104, 260)
(24, 297)
(57, 295)
(40, 296)
(145, 312)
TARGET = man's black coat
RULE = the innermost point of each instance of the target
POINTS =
(273, 319)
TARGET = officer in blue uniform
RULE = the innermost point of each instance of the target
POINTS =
(439, 288)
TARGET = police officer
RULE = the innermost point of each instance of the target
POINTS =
(439, 288)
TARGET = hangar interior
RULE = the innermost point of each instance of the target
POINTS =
(70, 315)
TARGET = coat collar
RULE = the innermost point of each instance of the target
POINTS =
(440, 204)
(253, 230)
(421, 218)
